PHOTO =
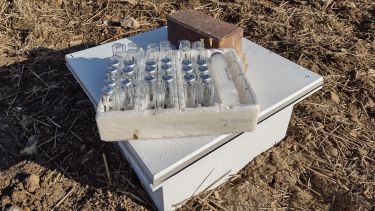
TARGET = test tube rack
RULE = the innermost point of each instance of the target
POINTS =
(182, 121)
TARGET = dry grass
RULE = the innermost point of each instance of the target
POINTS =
(326, 162)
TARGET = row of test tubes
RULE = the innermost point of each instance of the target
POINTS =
(135, 74)
(198, 84)
(151, 76)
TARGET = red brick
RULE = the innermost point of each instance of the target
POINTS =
(193, 25)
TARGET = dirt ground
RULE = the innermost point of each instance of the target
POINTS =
(50, 153)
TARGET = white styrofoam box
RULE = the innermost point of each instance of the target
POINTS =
(180, 121)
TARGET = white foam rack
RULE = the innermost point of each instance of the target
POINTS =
(173, 170)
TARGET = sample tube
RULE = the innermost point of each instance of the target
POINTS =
(151, 62)
(118, 49)
(165, 46)
(197, 44)
(189, 90)
(166, 60)
(206, 95)
(115, 59)
(128, 73)
(126, 95)
(107, 98)
(129, 63)
(200, 53)
(185, 51)
(165, 49)
(187, 62)
(166, 69)
(152, 51)
(202, 62)
(133, 52)
(150, 91)
(150, 70)
(202, 70)
(112, 72)
(110, 82)
(187, 70)
(167, 92)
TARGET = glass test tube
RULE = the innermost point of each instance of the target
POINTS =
(165, 49)
(166, 69)
(118, 49)
(187, 70)
(202, 70)
(202, 62)
(197, 44)
(187, 62)
(126, 95)
(115, 59)
(166, 60)
(151, 62)
(201, 54)
(165, 45)
(167, 92)
(128, 73)
(206, 95)
(152, 51)
(107, 98)
(189, 90)
(133, 52)
(129, 63)
(185, 51)
(112, 72)
(109, 82)
(150, 70)
(150, 91)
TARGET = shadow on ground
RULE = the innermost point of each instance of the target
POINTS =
(47, 128)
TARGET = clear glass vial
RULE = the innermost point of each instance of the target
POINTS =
(152, 51)
(197, 44)
(126, 95)
(185, 50)
(187, 62)
(118, 49)
(166, 69)
(202, 70)
(128, 73)
(167, 92)
(165, 49)
(115, 60)
(112, 72)
(187, 70)
(133, 52)
(107, 98)
(129, 63)
(166, 60)
(165, 46)
(189, 90)
(202, 62)
(150, 91)
(151, 62)
(150, 70)
(110, 82)
(206, 91)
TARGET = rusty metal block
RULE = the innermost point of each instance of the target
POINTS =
(193, 25)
